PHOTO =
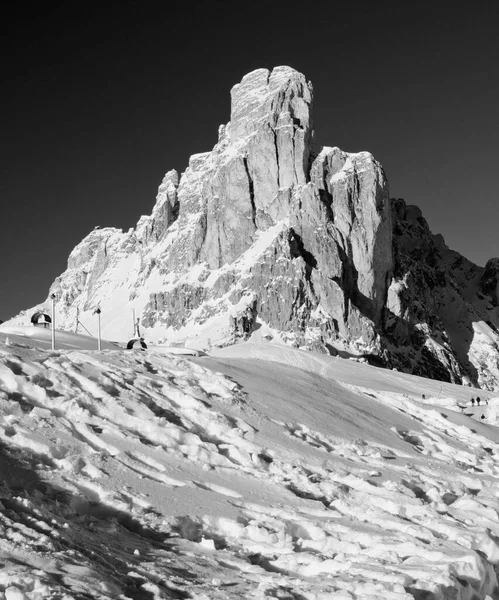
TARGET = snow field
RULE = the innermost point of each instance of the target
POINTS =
(139, 473)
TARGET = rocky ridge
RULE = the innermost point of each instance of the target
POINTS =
(441, 319)
(269, 237)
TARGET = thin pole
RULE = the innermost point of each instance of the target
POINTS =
(98, 330)
(134, 325)
(53, 321)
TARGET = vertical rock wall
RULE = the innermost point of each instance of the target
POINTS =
(267, 230)
(304, 231)
(262, 173)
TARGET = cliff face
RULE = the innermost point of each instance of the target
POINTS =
(302, 238)
(270, 237)
(442, 319)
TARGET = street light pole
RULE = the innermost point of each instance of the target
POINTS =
(98, 311)
(52, 297)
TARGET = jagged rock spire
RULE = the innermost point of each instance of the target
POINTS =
(306, 237)
(299, 239)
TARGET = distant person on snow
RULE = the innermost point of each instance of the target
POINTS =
(473, 402)
(478, 400)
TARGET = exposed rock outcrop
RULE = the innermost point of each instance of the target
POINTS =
(489, 281)
(308, 232)
(165, 212)
(272, 237)
(438, 322)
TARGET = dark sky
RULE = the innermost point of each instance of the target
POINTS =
(98, 103)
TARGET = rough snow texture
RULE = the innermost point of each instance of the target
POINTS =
(298, 236)
(137, 475)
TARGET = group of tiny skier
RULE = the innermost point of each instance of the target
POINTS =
(473, 401)
(478, 401)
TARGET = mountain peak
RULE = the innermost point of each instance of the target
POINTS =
(264, 97)
(267, 238)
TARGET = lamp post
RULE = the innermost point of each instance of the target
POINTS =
(52, 297)
(98, 311)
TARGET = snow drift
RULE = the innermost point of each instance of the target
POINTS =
(259, 472)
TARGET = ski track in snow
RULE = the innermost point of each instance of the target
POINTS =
(136, 475)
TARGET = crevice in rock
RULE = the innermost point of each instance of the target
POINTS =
(175, 210)
(276, 157)
(327, 200)
(294, 155)
(251, 191)
(298, 249)
(199, 238)
(220, 251)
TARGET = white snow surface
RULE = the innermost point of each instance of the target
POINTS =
(257, 472)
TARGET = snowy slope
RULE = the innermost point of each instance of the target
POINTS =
(258, 472)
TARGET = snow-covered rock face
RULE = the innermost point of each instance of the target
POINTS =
(270, 237)
(165, 211)
(441, 319)
(300, 237)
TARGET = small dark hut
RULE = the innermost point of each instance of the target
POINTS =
(40, 319)
(133, 341)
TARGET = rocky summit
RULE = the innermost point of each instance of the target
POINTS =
(269, 237)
